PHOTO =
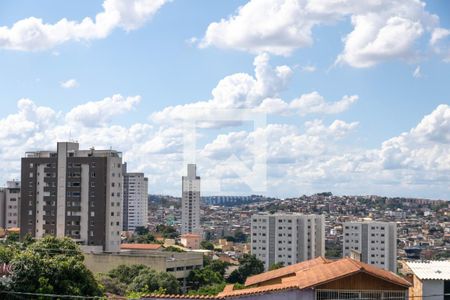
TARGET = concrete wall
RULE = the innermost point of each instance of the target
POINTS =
(178, 264)
(433, 287)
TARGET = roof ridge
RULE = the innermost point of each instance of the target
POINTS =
(355, 263)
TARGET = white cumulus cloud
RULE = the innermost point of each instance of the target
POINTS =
(100, 112)
(318, 155)
(70, 84)
(258, 93)
(382, 29)
(33, 34)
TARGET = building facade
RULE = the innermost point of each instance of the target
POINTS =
(287, 238)
(135, 200)
(431, 279)
(190, 202)
(10, 205)
(376, 243)
(74, 193)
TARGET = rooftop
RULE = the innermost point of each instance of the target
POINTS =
(431, 270)
(319, 272)
(140, 246)
(286, 271)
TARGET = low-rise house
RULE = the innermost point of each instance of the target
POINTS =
(431, 280)
(316, 279)
(191, 241)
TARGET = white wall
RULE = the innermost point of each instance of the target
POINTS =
(433, 287)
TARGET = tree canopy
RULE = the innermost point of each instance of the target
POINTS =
(248, 265)
(138, 279)
(50, 265)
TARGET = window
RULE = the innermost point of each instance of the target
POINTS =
(93, 174)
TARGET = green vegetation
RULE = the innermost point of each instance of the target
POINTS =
(249, 265)
(136, 280)
(173, 249)
(209, 280)
(55, 266)
(142, 236)
(207, 245)
(239, 237)
(276, 266)
(210, 290)
(168, 232)
(50, 265)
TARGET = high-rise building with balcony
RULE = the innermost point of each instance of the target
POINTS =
(287, 238)
(73, 193)
(10, 205)
(135, 200)
(190, 202)
(373, 243)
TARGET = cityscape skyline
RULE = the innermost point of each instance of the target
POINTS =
(347, 112)
(234, 149)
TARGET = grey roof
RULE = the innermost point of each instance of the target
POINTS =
(431, 270)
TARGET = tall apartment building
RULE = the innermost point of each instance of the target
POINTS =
(190, 202)
(374, 242)
(10, 205)
(74, 193)
(287, 238)
(135, 200)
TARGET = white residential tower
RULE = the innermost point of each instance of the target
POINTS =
(287, 238)
(135, 200)
(374, 242)
(190, 202)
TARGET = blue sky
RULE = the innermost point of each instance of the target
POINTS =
(171, 53)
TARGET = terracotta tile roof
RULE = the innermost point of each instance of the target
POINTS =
(342, 268)
(259, 290)
(382, 274)
(318, 274)
(285, 271)
(140, 246)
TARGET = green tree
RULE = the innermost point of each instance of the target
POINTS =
(240, 237)
(141, 230)
(218, 266)
(203, 277)
(111, 285)
(52, 265)
(7, 253)
(230, 238)
(168, 232)
(248, 265)
(173, 249)
(12, 237)
(275, 266)
(207, 245)
(126, 273)
(209, 290)
(149, 281)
